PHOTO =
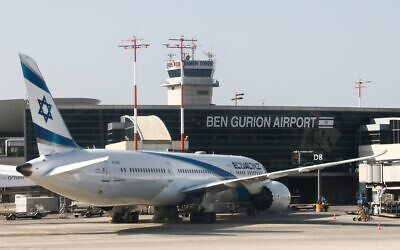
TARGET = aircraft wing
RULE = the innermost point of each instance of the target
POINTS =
(9, 170)
(232, 183)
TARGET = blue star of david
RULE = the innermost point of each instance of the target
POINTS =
(41, 112)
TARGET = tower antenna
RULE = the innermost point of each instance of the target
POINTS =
(134, 46)
(210, 55)
(182, 46)
(359, 87)
(171, 56)
(237, 98)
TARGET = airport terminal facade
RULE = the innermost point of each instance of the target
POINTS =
(269, 135)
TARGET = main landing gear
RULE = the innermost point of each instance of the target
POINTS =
(124, 215)
(203, 217)
(251, 211)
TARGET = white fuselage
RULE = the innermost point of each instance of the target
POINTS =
(141, 177)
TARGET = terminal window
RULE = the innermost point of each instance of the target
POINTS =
(202, 92)
(2, 147)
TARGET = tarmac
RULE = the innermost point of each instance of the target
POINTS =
(292, 230)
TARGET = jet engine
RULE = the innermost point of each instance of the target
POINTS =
(274, 197)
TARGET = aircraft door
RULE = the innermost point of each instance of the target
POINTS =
(105, 177)
(168, 169)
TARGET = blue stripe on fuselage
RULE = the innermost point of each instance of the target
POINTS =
(214, 169)
(52, 137)
(242, 192)
(33, 78)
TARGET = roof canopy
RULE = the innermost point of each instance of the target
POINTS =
(150, 128)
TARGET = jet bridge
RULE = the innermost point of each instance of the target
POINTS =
(380, 179)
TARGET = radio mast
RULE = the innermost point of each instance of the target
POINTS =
(134, 46)
(182, 46)
(359, 87)
(237, 98)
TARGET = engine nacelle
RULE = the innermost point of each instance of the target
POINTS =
(274, 197)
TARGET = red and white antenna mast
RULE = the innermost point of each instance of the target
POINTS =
(182, 46)
(237, 98)
(134, 46)
(359, 87)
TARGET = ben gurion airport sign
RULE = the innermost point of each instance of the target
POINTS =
(269, 122)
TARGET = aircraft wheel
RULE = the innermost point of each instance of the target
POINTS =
(135, 217)
(11, 217)
(207, 218)
(213, 217)
(250, 211)
(130, 217)
(127, 218)
(194, 217)
(117, 218)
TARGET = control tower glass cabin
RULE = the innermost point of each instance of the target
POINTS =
(197, 80)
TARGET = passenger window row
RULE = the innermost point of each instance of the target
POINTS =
(254, 172)
(249, 172)
(194, 171)
(144, 170)
(240, 172)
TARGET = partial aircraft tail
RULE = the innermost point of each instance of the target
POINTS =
(52, 134)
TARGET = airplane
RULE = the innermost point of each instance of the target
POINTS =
(120, 180)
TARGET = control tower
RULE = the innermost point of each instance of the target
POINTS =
(197, 80)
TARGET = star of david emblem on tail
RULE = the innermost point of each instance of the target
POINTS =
(42, 103)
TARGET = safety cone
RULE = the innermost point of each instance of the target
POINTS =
(334, 216)
(379, 227)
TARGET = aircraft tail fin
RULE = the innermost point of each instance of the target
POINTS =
(52, 135)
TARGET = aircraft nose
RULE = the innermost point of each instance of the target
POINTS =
(25, 169)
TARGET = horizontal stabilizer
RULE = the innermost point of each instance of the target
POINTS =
(10, 177)
(9, 170)
(74, 166)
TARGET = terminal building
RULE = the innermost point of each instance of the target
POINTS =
(269, 134)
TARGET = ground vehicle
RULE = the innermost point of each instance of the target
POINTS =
(32, 207)
(32, 215)
(91, 211)
(83, 209)
(295, 203)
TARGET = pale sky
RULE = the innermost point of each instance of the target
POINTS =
(302, 53)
